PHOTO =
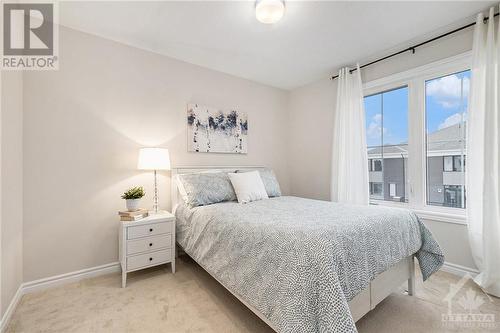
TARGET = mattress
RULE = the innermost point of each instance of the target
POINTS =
(299, 261)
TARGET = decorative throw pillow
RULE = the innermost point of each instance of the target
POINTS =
(270, 182)
(206, 188)
(248, 186)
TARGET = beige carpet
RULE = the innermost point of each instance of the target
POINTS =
(191, 301)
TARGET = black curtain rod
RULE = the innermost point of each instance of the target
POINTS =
(412, 48)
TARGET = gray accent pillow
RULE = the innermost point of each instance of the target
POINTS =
(270, 182)
(207, 188)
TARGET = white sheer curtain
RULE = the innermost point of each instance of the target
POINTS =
(483, 163)
(349, 155)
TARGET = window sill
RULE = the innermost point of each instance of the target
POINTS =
(446, 215)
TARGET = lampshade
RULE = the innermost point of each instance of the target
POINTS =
(153, 159)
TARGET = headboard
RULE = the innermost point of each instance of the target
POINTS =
(174, 192)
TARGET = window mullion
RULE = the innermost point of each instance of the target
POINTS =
(416, 143)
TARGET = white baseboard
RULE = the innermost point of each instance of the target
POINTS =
(53, 281)
(37, 285)
(11, 308)
(459, 270)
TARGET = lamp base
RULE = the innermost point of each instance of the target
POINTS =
(155, 200)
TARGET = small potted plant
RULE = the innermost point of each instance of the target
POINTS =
(132, 197)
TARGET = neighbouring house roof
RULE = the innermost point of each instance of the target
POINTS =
(446, 141)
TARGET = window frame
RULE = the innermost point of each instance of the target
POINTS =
(415, 79)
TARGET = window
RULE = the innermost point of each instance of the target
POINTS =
(453, 163)
(374, 165)
(392, 190)
(387, 142)
(448, 163)
(416, 137)
(453, 196)
(376, 190)
(446, 116)
(457, 162)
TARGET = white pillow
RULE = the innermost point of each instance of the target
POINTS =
(248, 186)
(180, 187)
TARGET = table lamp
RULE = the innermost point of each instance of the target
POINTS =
(154, 159)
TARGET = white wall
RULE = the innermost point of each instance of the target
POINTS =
(311, 123)
(11, 186)
(310, 139)
(84, 124)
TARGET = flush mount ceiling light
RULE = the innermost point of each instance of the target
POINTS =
(269, 11)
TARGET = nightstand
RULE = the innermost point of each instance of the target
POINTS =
(146, 243)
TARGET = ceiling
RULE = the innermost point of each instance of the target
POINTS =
(310, 43)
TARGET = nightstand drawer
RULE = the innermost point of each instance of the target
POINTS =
(149, 230)
(149, 244)
(148, 259)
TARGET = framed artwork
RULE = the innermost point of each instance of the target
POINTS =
(211, 130)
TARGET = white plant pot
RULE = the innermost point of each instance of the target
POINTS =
(132, 204)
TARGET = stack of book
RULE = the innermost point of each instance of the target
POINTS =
(134, 215)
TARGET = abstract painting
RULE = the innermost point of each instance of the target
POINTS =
(211, 130)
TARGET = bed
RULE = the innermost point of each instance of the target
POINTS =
(305, 265)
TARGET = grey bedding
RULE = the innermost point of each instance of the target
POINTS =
(299, 261)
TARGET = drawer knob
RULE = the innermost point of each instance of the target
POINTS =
(150, 244)
(150, 229)
(150, 259)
